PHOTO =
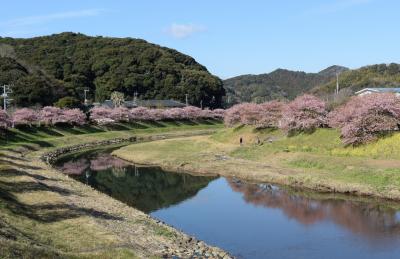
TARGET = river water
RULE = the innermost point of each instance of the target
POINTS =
(249, 220)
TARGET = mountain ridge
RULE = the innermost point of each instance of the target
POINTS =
(278, 84)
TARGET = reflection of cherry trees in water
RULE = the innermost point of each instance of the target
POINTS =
(156, 189)
(75, 167)
(107, 161)
(366, 219)
(145, 188)
(97, 163)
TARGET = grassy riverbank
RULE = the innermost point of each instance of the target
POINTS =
(44, 214)
(318, 161)
(51, 137)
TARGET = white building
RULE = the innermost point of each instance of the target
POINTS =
(378, 90)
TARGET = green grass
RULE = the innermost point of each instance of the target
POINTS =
(58, 230)
(312, 160)
(388, 148)
(322, 141)
(50, 137)
(306, 163)
(160, 230)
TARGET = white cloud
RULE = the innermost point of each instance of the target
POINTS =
(338, 5)
(40, 19)
(181, 31)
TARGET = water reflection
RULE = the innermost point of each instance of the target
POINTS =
(370, 219)
(249, 220)
(146, 188)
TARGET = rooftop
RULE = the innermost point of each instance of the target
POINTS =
(146, 103)
(380, 90)
(160, 103)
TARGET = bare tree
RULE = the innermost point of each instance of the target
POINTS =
(117, 98)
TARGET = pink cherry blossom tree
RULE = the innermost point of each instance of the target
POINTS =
(192, 113)
(233, 115)
(73, 116)
(4, 120)
(250, 114)
(303, 114)
(120, 114)
(139, 113)
(271, 114)
(174, 114)
(218, 113)
(101, 115)
(244, 114)
(206, 114)
(155, 114)
(25, 116)
(51, 115)
(364, 118)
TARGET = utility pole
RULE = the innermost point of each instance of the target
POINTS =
(187, 100)
(201, 104)
(337, 83)
(135, 94)
(6, 90)
(85, 93)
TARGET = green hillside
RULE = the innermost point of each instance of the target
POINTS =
(279, 84)
(50, 67)
(381, 75)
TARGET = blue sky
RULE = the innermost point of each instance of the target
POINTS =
(229, 37)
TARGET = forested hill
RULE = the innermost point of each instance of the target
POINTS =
(45, 69)
(279, 84)
(380, 75)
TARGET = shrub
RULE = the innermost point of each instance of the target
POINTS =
(364, 118)
(68, 102)
(303, 114)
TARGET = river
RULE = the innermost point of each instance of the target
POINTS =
(249, 220)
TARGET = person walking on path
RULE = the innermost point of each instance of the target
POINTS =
(241, 141)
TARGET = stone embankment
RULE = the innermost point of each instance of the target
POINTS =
(52, 156)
